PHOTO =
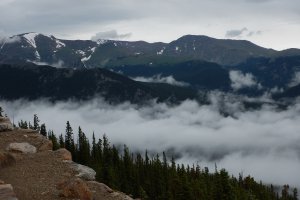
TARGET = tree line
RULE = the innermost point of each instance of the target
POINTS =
(157, 177)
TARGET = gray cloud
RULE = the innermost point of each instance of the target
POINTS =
(235, 33)
(257, 142)
(159, 79)
(295, 80)
(4, 39)
(58, 64)
(240, 80)
(112, 34)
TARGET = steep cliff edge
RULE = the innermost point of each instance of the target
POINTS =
(30, 170)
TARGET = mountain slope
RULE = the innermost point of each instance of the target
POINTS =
(37, 48)
(34, 82)
(199, 74)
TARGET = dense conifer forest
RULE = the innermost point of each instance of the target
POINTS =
(154, 177)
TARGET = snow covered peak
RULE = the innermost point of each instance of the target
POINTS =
(30, 37)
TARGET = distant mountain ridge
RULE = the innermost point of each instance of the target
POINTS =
(40, 48)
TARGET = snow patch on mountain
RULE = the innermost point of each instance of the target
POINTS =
(93, 49)
(161, 51)
(30, 37)
(37, 55)
(80, 52)
(100, 41)
(59, 44)
(86, 58)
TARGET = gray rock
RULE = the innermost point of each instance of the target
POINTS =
(23, 147)
(5, 124)
(84, 172)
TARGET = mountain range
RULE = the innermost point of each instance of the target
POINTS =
(165, 71)
(40, 48)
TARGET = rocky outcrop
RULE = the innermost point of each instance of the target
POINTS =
(28, 163)
(63, 154)
(6, 159)
(75, 188)
(5, 124)
(22, 147)
(83, 171)
(46, 145)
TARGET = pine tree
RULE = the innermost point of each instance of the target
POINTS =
(36, 121)
(61, 141)
(1, 111)
(295, 194)
(43, 130)
(83, 148)
(23, 124)
(69, 139)
(53, 138)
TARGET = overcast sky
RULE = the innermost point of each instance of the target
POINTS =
(269, 23)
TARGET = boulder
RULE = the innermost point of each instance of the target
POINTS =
(46, 145)
(74, 188)
(63, 154)
(22, 147)
(7, 192)
(84, 172)
(6, 159)
(5, 124)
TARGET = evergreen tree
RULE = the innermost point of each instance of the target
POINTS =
(69, 139)
(295, 194)
(36, 121)
(53, 138)
(43, 130)
(23, 124)
(1, 111)
(61, 141)
(83, 148)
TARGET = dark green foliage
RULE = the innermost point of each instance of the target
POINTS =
(61, 141)
(1, 111)
(43, 130)
(69, 139)
(36, 121)
(53, 138)
(157, 178)
(36, 82)
(23, 124)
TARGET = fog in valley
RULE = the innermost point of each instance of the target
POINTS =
(263, 142)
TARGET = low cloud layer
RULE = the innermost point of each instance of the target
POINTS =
(159, 79)
(58, 64)
(263, 143)
(295, 80)
(240, 80)
(112, 35)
